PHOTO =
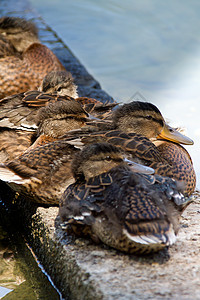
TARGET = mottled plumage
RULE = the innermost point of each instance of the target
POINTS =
(41, 174)
(57, 118)
(97, 108)
(18, 113)
(43, 171)
(6, 48)
(180, 162)
(125, 210)
(24, 61)
(136, 128)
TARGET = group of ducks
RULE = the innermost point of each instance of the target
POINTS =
(117, 172)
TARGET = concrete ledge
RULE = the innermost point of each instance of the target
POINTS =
(83, 270)
(80, 269)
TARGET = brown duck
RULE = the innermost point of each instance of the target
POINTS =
(131, 212)
(24, 61)
(43, 172)
(56, 119)
(135, 128)
(18, 113)
(60, 84)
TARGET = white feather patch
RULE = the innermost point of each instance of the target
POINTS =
(168, 238)
(8, 176)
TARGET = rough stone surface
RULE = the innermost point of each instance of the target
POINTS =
(83, 270)
(80, 269)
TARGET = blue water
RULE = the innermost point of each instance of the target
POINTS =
(138, 49)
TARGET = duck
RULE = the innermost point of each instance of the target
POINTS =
(54, 120)
(6, 48)
(43, 172)
(111, 203)
(57, 83)
(24, 60)
(139, 129)
(18, 113)
(177, 161)
(180, 162)
(60, 84)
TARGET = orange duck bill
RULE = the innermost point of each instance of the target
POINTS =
(171, 134)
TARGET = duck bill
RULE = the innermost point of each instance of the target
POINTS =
(171, 134)
(139, 168)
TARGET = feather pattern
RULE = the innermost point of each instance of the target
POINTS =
(128, 211)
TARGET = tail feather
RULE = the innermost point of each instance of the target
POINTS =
(168, 238)
(9, 176)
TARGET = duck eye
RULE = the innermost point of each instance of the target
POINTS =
(108, 158)
(149, 117)
(59, 89)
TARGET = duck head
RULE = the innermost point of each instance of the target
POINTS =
(20, 32)
(59, 117)
(99, 158)
(145, 118)
(60, 82)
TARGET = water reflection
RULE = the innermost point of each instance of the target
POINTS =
(149, 46)
(10, 278)
(20, 277)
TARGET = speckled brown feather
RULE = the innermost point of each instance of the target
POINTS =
(43, 173)
(19, 75)
(6, 48)
(17, 125)
(97, 108)
(14, 112)
(41, 99)
(119, 200)
(92, 106)
(175, 164)
(19, 113)
(181, 165)
(13, 143)
(24, 61)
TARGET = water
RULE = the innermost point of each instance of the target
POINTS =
(138, 49)
(20, 277)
